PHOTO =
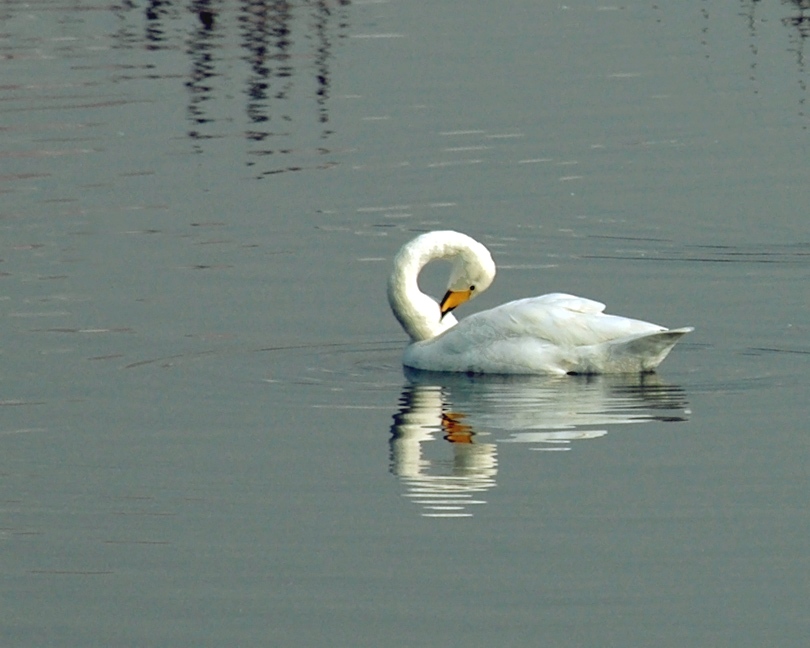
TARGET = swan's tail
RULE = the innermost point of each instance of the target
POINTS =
(644, 352)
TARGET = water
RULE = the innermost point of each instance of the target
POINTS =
(207, 437)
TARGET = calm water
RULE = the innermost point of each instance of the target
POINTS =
(206, 437)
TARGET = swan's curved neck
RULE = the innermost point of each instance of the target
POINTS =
(419, 313)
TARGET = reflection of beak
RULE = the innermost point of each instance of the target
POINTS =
(455, 430)
(453, 298)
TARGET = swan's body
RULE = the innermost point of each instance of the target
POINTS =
(550, 334)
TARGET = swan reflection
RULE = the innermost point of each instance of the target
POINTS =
(470, 415)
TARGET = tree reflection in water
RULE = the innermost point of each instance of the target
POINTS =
(280, 54)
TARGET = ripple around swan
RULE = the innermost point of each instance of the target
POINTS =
(548, 414)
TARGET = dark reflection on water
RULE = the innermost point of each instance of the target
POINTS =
(201, 45)
(547, 414)
(286, 82)
(288, 49)
(797, 20)
(156, 12)
(800, 22)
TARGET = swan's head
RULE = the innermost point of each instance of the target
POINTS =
(473, 272)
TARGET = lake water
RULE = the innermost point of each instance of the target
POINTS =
(206, 436)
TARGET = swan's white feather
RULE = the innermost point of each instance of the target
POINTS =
(554, 333)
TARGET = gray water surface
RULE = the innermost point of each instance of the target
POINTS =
(206, 436)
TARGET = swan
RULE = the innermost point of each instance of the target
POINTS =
(550, 334)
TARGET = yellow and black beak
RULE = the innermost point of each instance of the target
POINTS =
(453, 298)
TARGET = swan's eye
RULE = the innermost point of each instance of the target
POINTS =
(472, 288)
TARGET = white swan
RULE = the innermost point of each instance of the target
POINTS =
(549, 334)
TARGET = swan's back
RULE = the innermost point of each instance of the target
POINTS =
(555, 333)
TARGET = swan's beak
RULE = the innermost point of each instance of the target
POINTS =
(453, 298)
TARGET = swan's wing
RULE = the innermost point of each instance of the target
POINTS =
(553, 334)
(559, 300)
(558, 319)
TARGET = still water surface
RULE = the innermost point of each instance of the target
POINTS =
(207, 436)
